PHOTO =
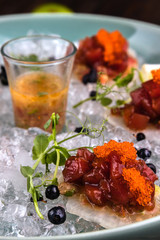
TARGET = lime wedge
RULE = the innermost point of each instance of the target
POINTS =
(52, 8)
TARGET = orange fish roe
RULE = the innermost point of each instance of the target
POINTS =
(140, 188)
(156, 75)
(125, 149)
(114, 45)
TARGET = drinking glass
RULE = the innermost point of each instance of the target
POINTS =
(39, 70)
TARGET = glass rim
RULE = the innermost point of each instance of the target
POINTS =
(48, 62)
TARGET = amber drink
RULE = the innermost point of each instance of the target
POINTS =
(38, 78)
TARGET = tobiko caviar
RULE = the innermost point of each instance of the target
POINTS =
(114, 44)
(105, 52)
(112, 175)
(156, 76)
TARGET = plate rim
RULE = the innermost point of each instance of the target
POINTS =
(89, 16)
(138, 23)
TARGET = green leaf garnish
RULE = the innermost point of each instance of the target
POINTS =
(47, 124)
(117, 77)
(31, 58)
(26, 171)
(52, 158)
(140, 76)
(64, 151)
(57, 118)
(28, 184)
(120, 102)
(106, 101)
(40, 144)
(70, 193)
(123, 82)
(38, 175)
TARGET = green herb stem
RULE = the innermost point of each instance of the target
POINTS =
(83, 101)
(38, 160)
(34, 196)
(55, 144)
(57, 165)
(74, 149)
(37, 208)
(54, 128)
(47, 168)
(66, 139)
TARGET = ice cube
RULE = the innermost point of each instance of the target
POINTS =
(14, 211)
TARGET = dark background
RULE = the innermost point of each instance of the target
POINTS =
(144, 10)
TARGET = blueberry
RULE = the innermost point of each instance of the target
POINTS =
(57, 215)
(140, 136)
(52, 192)
(79, 129)
(90, 77)
(144, 153)
(51, 59)
(151, 166)
(93, 94)
(3, 76)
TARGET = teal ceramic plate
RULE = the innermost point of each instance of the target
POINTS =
(143, 38)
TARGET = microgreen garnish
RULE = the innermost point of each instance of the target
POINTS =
(124, 81)
(70, 193)
(30, 58)
(46, 151)
(103, 91)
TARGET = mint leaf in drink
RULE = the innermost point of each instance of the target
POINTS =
(30, 58)
(41, 94)
(40, 144)
(33, 111)
(26, 171)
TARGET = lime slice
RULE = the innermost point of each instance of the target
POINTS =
(51, 8)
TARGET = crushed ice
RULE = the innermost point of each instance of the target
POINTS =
(18, 217)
